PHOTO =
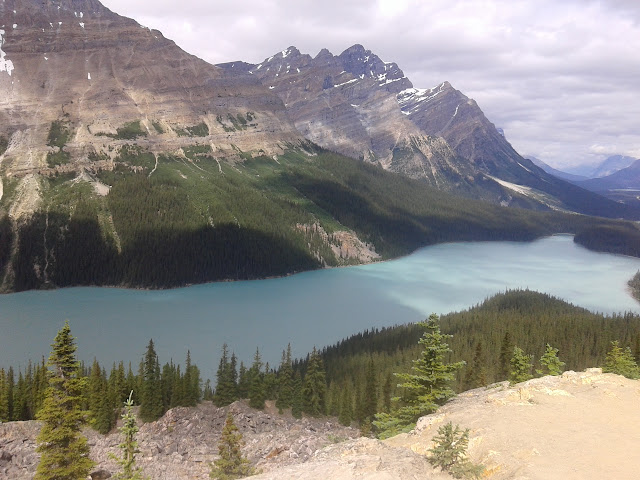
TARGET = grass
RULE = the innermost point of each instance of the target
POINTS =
(199, 130)
(57, 158)
(59, 134)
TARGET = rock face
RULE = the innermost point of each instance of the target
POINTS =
(362, 107)
(95, 72)
(347, 103)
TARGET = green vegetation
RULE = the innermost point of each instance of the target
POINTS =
(130, 131)
(4, 143)
(619, 238)
(170, 221)
(158, 128)
(57, 158)
(64, 452)
(621, 361)
(59, 134)
(450, 453)
(129, 445)
(550, 363)
(426, 388)
(231, 464)
(520, 366)
(199, 130)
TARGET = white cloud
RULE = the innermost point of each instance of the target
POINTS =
(559, 77)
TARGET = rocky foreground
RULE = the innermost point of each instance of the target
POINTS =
(576, 426)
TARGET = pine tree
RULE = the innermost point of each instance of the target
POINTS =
(297, 401)
(226, 386)
(521, 365)
(64, 452)
(151, 407)
(370, 402)
(257, 392)
(129, 445)
(621, 362)
(315, 386)
(345, 416)
(477, 372)
(386, 393)
(231, 464)
(284, 398)
(4, 397)
(506, 350)
(425, 389)
(450, 453)
(550, 364)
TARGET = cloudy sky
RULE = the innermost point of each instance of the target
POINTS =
(562, 78)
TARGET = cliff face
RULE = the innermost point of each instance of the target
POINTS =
(347, 103)
(95, 72)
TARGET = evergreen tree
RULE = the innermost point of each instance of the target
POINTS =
(506, 351)
(370, 401)
(243, 381)
(450, 453)
(226, 386)
(100, 411)
(297, 401)
(521, 365)
(314, 386)
(477, 371)
(231, 464)
(257, 392)
(64, 452)
(284, 397)
(386, 393)
(129, 445)
(425, 389)
(4, 397)
(345, 416)
(207, 392)
(621, 362)
(550, 364)
(151, 407)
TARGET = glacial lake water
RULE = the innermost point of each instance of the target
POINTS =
(312, 308)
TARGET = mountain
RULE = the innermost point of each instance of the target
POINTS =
(126, 161)
(358, 105)
(78, 81)
(625, 178)
(611, 165)
(556, 173)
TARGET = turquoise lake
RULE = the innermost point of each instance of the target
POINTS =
(312, 308)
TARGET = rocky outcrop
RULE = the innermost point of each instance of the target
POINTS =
(182, 444)
(578, 425)
(109, 81)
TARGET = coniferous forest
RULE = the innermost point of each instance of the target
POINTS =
(192, 220)
(354, 379)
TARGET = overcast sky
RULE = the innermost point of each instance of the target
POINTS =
(561, 77)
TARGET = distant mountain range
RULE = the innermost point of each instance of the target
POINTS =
(126, 161)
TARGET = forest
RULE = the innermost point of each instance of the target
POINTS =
(355, 379)
(175, 220)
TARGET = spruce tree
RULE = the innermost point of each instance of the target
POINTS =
(550, 364)
(477, 371)
(257, 392)
(521, 365)
(297, 401)
(284, 397)
(506, 351)
(64, 452)
(346, 407)
(4, 397)
(370, 392)
(129, 445)
(315, 386)
(450, 453)
(425, 389)
(231, 464)
(621, 362)
(226, 387)
(151, 407)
